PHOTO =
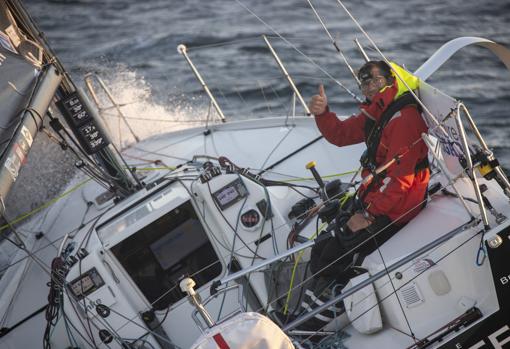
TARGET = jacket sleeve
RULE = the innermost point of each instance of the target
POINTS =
(400, 134)
(341, 132)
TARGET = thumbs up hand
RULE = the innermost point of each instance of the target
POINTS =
(318, 102)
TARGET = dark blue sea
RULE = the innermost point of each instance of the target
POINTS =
(132, 44)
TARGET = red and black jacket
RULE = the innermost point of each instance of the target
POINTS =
(399, 193)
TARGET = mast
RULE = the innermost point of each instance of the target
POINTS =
(54, 88)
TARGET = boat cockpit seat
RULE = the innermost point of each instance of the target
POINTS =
(441, 215)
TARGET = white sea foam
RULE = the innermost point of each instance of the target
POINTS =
(145, 116)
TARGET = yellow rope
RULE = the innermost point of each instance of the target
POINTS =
(311, 178)
(43, 206)
(26, 215)
(293, 275)
(342, 200)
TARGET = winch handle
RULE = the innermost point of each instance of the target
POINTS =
(311, 166)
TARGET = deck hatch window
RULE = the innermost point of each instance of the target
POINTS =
(158, 255)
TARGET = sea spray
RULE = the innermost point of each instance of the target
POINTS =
(49, 169)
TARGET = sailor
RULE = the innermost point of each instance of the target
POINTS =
(391, 126)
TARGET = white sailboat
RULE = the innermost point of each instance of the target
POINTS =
(210, 240)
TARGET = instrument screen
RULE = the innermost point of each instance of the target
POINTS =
(87, 283)
(230, 194)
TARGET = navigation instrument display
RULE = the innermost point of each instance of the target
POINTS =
(87, 283)
(230, 194)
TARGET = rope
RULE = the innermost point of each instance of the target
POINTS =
(293, 275)
(352, 94)
(24, 216)
(302, 179)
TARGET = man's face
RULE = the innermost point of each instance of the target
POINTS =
(370, 86)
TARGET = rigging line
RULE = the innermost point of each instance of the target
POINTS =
(70, 336)
(291, 109)
(240, 95)
(66, 319)
(277, 146)
(225, 98)
(229, 266)
(202, 215)
(15, 293)
(434, 119)
(22, 245)
(155, 334)
(171, 144)
(231, 227)
(124, 175)
(233, 42)
(303, 179)
(264, 96)
(379, 302)
(333, 41)
(104, 322)
(310, 77)
(158, 120)
(90, 335)
(292, 278)
(25, 257)
(395, 291)
(223, 43)
(85, 159)
(50, 243)
(275, 92)
(81, 284)
(352, 94)
(291, 154)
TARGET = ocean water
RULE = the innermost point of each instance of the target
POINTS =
(132, 45)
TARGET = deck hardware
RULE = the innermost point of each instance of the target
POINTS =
(495, 241)
(105, 336)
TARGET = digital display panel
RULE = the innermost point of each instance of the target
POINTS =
(87, 283)
(227, 195)
(83, 124)
(82, 286)
(230, 194)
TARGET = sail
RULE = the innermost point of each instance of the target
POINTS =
(26, 91)
(17, 82)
